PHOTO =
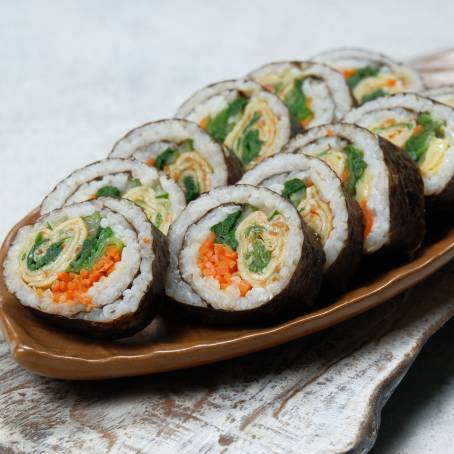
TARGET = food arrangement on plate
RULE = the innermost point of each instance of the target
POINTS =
(263, 193)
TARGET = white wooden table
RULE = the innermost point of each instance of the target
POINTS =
(76, 76)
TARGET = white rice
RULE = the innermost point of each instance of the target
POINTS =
(83, 183)
(326, 87)
(275, 171)
(312, 142)
(150, 139)
(190, 230)
(405, 106)
(117, 294)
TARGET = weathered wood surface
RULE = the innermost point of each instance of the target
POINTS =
(322, 394)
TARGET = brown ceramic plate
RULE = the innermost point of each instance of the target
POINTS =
(168, 344)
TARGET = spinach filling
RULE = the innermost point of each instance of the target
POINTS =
(373, 95)
(393, 126)
(249, 144)
(158, 220)
(37, 258)
(170, 155)
(361, 74)
(191, 188)
(94, 247)
(419, 142)
(222, 124)
(108, 191)
(296, 101)
(258, 257)
(294, 190)
(225, 230)
(355, 166)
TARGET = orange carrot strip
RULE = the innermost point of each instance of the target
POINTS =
(349, 72)
(368, 218)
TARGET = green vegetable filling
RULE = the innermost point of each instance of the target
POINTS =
(361, 74)
(94, 247)
(134, 183)
(249, 144)
(394, 126)
(294, 190)
(296, 102)
(225, 230)
(38, 257)
(191, 187)
(168, 156)
(355, 165)
(187, 145)
(373, 95)
(108, 191)
(258, 257)
(158, 220)
(419, 142)
(220, 126)
(273, 215)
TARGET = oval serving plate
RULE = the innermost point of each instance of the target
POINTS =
(169, 344)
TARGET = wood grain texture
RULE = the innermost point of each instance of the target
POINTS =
(322, 394)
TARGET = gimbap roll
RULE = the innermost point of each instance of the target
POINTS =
(443, 94)
(251, 122)
(159, 196)
(242, 253)
(314, 93)
(384, 181)
(94, 267)
(425, 130)
(370, 74)
(184, 152)
(318, 195)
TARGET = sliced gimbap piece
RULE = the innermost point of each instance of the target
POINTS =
(242, 253)
(443, 94)
(384, 181)
(425, 130)
(318, 195)
(248, 120)
(95, 267)
(370, 74)
(184, 152)
(314, 93)
(159, 196)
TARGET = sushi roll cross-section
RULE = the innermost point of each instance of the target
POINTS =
(318, 195)
(184, 152)
(371, 75)
(424, 130)
(384, 181)
(314, 93)
(242, 253)
(159, 196)
(95, 267)
(251, 122)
